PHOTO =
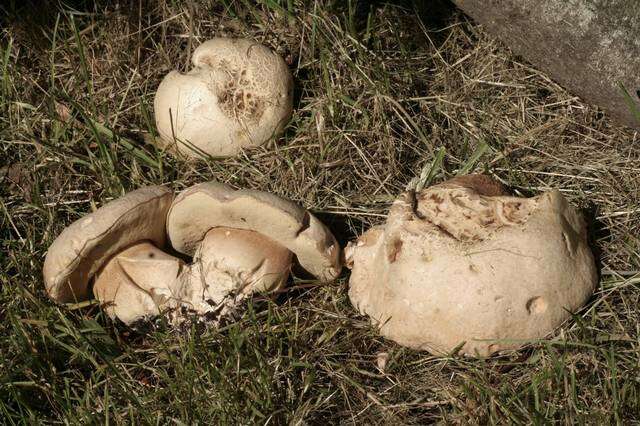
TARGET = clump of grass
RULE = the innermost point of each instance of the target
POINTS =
(385, 93)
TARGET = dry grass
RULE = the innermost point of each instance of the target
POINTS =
(381, 92)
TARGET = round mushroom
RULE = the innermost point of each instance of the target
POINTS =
(462, 265)
(244, 241)
(118, 245)
(239, 94)
(232, 263)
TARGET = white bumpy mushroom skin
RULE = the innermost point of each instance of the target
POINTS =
(137, 283)
(462, 265)
(86, 245)
(229, 263)
(239, 94)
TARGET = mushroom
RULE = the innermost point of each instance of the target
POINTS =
(118, 245)
(463, 265)
(138, 282)
(239, 94)
(244, 241)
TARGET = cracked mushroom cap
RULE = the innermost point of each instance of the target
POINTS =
(463, 265)
(239, 94)
(209, 205)
(87, 244)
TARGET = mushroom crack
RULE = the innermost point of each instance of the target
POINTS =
(470, 277)
(413, 202)
(306, 222)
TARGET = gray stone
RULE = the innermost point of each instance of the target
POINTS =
(588, 46)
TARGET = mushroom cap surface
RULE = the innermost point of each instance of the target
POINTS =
(230, 262)
(88, 243)
(137, 282)
(211, 204)
(482, 273)
(239, 94)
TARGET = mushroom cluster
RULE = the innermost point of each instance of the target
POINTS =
(457, 266)
(460, 266)
(464, 266)
(239, 94)
(241, 241)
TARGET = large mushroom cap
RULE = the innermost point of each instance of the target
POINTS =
(464, 264)
(84, 247)
(239, 94)
(209, 205)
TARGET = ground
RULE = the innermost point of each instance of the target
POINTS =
(385, 92)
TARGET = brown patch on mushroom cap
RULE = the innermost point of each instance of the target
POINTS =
(460, 208)
(202, 207)
(480, 184)
(85, 245)
(484, 272)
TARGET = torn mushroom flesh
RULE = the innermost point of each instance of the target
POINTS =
(230, 264)
(463, 265)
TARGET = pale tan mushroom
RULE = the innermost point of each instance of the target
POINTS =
(244, 241)
(137, 283)
(118, 245)
(463, 265)
(232, 262)
(239, 94)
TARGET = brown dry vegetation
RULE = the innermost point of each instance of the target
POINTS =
(385, 92)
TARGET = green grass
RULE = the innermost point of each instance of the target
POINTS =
(383, 97)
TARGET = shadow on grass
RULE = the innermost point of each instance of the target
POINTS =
(598, 235)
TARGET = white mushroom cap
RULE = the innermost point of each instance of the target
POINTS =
(462, 264)
(86, 245)
(137, 282)
(209, 205)
(240, 94)
(231, 262)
